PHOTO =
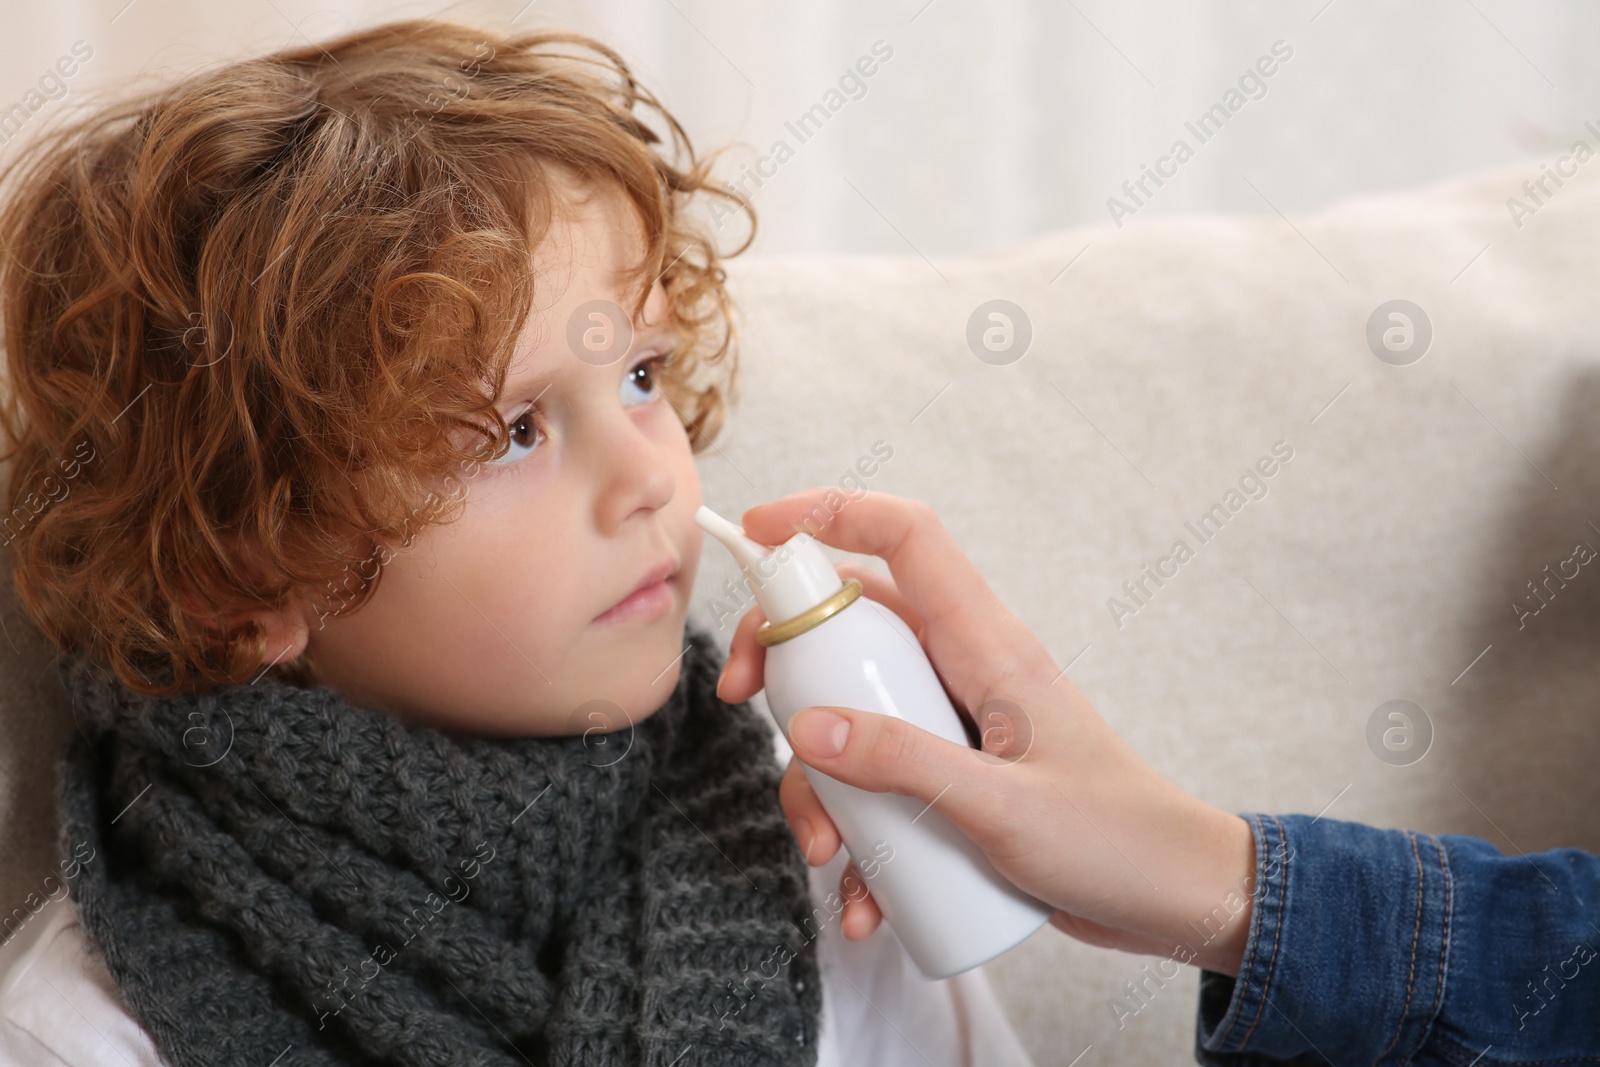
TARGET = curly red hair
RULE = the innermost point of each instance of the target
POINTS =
(254, 320)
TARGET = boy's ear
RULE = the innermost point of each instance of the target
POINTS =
(285, 631)
(285, 627)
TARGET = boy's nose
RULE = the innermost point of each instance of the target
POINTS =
(636, 473)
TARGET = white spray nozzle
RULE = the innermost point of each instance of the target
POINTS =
(787, 580)
(744, 550)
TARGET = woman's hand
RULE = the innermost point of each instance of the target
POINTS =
(1057, 801)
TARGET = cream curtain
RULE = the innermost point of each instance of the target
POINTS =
(985, 123)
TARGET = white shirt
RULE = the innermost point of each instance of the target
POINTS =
(60, 1008)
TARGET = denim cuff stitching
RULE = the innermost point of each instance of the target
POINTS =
(1255, 972)
(1422, 1022)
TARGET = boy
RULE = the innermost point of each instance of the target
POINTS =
(373, 374)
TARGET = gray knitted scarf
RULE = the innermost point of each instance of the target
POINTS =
(281, 873)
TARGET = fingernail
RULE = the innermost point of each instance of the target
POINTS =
(720, 679)
(819, 733)
(804, 834)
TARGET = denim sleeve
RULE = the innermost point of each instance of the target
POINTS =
(1381, 947)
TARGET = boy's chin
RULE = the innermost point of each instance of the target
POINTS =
(613, 696)
(648, 695)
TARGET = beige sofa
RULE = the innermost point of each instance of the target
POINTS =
(1383, 560)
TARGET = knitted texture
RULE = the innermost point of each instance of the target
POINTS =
(281, 873)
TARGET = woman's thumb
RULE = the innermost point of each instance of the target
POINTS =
(880, 753)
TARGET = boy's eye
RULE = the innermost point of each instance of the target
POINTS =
(643, 377)
(524, 428)
(525, 437)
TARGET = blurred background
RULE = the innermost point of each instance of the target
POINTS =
(988, 122)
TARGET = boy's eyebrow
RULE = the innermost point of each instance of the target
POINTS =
(544, 364)
(514, 388)
(535, 365)
(526, 379)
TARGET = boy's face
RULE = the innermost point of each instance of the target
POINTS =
(496, 623)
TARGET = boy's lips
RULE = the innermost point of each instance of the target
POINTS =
(648, 594)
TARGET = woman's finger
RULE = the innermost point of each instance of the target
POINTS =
(884, 754)
(969, 634)
(903, 532)
(745, 667)
(881, 588)
(861, 914)
(820, 841)
(742, 674)
(809, 822)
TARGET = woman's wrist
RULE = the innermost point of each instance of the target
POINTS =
(1236, 863)
(1209, 922)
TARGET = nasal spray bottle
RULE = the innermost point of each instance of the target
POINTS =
(828, 644)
